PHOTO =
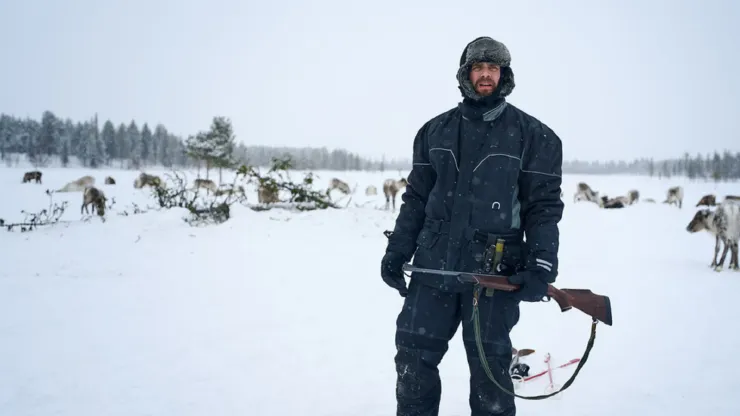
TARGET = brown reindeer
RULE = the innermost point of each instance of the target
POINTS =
(267, 196)
(710, 200)
(147, 180)
(724, 224)
(95, 197)
(614, 203)
(109, 180)
(32, 176)
(340, 185)
(391, 188)
(707, 200)
(206, 184)
(585, 193)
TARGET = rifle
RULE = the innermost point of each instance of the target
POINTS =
(596, 306)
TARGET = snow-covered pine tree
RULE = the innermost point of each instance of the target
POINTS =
(29, 134)
(8, 139)
(64, 152)
(146, 145)
(134, 141)
(95, 147)
(122, 145)
(159, 142)
(197, 148)
(221, 144)
(48, 139)
(163, 147)
(75, 149)
(109, 138)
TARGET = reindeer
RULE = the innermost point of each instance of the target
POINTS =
(391, 188)
(32, 176)
(585, 193)
(724, 224)
(78, 185)
(614, 203)
(229, 190)
(95, 197)
(207, 184)
(371, 190)
(109, 180)
(674, 196)
(710, 200)
(707, 200)
(633, 196)
(267, 196)
(147, 180)
(340, 185)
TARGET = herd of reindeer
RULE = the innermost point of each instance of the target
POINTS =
(95, 198)
(722, 219)
(391, 188)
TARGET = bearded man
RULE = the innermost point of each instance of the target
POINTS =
(484, 174)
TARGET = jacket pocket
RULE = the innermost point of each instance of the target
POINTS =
(494, 193)
(431, 248)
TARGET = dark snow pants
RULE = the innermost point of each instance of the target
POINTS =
(428, 321)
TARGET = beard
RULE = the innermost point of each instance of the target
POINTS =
(485, 87)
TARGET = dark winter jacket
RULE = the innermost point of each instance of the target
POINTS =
(481, 172)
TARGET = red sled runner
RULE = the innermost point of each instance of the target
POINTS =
(542, 373)
(520, 372)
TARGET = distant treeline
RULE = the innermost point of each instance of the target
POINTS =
(56, 141)
(53, 140)
(713, 166)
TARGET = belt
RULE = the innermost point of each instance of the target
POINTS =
(472, 234)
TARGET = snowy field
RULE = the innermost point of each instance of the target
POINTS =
(278, 313)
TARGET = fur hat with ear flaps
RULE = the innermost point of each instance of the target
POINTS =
(485, 49)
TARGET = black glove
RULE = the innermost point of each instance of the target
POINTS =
(533, 285)
(390, 270)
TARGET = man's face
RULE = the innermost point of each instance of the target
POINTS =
(485, 77)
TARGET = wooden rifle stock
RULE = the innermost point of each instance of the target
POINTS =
(593, 305)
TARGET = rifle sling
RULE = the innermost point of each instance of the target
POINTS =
(487, 369)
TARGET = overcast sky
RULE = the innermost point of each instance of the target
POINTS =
(614, 79)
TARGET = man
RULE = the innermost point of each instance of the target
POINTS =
(483, 171)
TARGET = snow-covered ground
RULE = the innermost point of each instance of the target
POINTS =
(279, 313)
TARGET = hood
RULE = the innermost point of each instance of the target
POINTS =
(485, 49)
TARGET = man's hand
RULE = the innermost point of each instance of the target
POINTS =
(392, 272)
(533, 285)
